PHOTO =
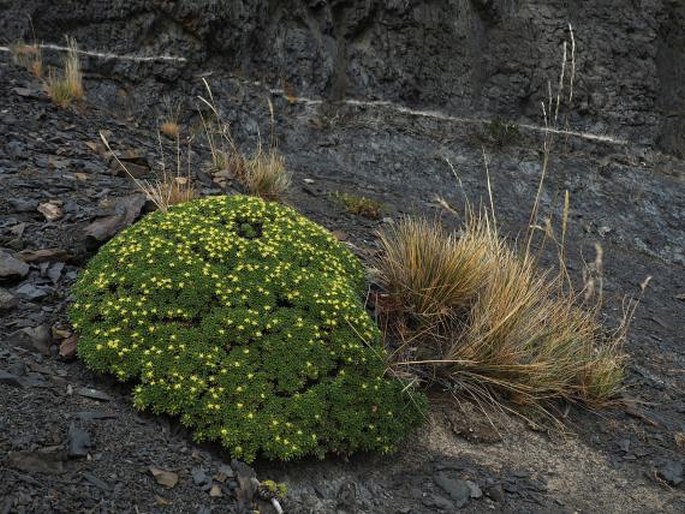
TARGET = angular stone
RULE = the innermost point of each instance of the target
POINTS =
(37, 462)
(94, 394)
(200, 478)
(21, 205)
(476, 491)
(12, 268)
(36, 338)
(79, 442)
(67, 349)
(31, 293)
(10, 379)
(163, 477)
(51, 210)
(89, 415)
(458, 490)
(7, 300)
(672, 472)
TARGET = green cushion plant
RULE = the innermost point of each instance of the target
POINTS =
(245, 319)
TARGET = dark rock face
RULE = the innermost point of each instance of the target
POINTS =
(671, 66)
(477, 56)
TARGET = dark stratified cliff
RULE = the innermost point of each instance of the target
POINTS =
(491, 57)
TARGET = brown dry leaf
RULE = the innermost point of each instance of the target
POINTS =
(163, 477)
(215, 491)
(50, 210)
(161, 501)
(95, 146)
(83, 177)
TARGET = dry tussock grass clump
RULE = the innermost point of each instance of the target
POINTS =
(170, 129)
(477, 314)
(430, 276)
(265, 174)
(67, 87)
(175, 190)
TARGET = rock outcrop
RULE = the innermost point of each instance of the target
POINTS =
(463, 56)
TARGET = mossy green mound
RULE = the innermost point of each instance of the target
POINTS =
(246, 320)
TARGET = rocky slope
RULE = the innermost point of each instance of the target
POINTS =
(71, 442)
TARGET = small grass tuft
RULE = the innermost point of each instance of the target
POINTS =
(170, 129)
(29, 56)
(266, 175)
(360, 205)
(169, 124)
(67, 87)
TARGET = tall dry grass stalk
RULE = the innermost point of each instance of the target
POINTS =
(169, 188)
(264, 173)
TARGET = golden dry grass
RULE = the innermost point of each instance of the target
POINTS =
(266, 175)
(491, 320)
(66, 87)
(430, 275)
(170, 129)
(29, 56)
(476, 313)
(169, 124)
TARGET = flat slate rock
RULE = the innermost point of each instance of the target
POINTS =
(32, 338)
(94, 394)
(31, 293)
(10, 379)
(79, 442)
(89, 415)
(12, 268)
(458, 490)
(7, 300)
(37, 462)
